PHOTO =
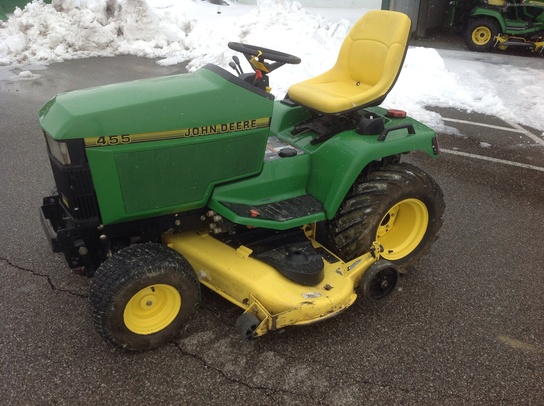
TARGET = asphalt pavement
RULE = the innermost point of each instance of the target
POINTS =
(465, 328)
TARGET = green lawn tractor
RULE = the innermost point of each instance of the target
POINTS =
(8, 6)
(506, 24)
(290, 208)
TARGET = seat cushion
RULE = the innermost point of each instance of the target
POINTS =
(368, 64)
(328, 96)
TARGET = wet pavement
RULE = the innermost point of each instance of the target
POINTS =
(467, 327)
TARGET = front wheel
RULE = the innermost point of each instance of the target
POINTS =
(399, 206)
(480, 34)
(143, 296)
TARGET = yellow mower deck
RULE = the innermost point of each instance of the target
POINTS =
(260, 289)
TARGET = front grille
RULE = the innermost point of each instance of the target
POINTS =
(75, 189)
(82, 189)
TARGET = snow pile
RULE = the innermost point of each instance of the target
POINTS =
(426, 81)
(275, 24)
(464, 82)
(197, 31)
(174, 29)
(69, 29)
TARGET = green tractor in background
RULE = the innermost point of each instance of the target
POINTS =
(506, 24)
(290, 208)
(8, 6)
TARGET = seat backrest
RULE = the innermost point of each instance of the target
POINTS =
(374, 49)
(367, 67)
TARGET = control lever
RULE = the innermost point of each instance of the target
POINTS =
(235, 67)
(237, 62)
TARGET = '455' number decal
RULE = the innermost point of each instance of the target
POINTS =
(109, 140)
(206, 130)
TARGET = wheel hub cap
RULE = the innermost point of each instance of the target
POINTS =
(481, 35)
(402, 228)
(152, 309)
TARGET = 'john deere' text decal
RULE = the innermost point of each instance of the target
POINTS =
(113, 140)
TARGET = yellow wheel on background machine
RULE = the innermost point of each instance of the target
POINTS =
(480, 34)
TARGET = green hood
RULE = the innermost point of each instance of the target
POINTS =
(209, 96)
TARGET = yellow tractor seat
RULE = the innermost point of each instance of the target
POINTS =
(368, 65)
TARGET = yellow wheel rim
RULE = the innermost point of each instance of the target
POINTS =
(402, 228)
(481, 35)
(152, 309)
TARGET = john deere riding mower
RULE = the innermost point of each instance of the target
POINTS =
(290, 208)
(506, 24)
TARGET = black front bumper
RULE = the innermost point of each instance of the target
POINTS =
(71, 237)
(49, 211)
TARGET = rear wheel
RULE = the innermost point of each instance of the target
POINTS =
(480, 34)
(399, 206)
(143, 296)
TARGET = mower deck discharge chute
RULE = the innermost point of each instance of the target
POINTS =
(290, 209)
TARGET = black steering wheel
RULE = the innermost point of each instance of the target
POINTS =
(258, 56)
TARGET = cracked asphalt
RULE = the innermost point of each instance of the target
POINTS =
(466, 328)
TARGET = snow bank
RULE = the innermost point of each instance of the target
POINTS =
(464, 82)
(176, 31)
(426, 81)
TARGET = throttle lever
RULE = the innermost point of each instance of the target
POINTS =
(233, 66)
(237, 62)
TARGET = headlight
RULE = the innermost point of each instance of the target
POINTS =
(58, 149)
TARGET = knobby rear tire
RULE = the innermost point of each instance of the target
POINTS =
(395, 189)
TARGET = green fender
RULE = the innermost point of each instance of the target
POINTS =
(325, 171)
(490, 13)
(334, 164)
(339, 161)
